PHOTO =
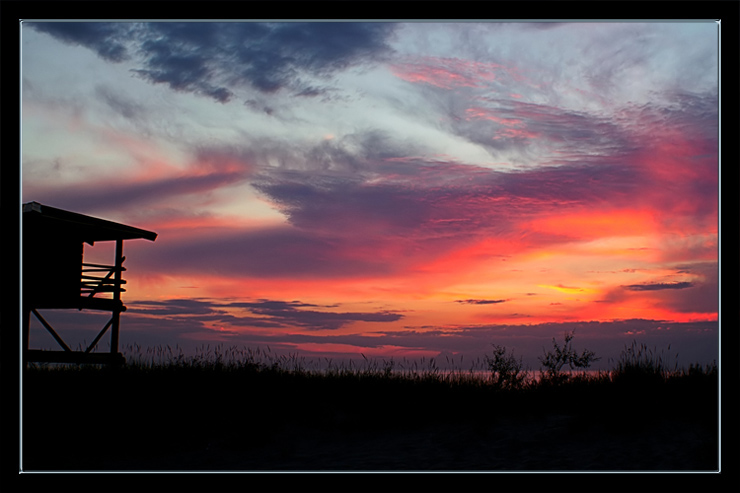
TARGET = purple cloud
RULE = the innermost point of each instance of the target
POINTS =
(480, 302)
(118, 195)
(658, 286)
(265, 313)
(277, 252)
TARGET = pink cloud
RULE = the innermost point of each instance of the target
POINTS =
(448, 73)
(487, 114)
(513, 133)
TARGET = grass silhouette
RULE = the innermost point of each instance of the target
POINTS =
(245, 409)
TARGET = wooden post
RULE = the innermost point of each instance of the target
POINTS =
(117, 297)
(26, 332)
(51, 330)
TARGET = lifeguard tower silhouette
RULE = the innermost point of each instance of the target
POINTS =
(56, 277)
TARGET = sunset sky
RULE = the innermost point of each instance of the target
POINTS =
(398, 190)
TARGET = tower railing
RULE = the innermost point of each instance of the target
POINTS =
(109, 283)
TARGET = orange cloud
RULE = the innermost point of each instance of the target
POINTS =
(598, 224)
(568, 289)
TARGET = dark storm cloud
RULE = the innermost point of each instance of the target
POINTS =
(285, 50)
(658, 286)
(214, 59)
(106, 39)
(264, 313)
(181, 62)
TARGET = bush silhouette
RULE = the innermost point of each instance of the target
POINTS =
(559, 356)
(506, 371)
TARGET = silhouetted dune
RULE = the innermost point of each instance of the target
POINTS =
(248, 419)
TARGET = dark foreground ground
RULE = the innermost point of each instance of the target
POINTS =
(206, 421)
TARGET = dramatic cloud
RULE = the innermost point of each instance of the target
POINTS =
(357, 211)
(108, 40)
(406, 196)
(214, 59)
(421, 188)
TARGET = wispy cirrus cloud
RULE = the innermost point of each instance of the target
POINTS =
(118, 194)
(149, 183)
(449, 73)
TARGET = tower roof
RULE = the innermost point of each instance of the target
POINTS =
(43, 219)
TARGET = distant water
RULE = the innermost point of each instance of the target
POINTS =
(486, 374)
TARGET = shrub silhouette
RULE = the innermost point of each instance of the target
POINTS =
(506, 371)
(554, 360)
